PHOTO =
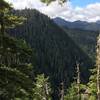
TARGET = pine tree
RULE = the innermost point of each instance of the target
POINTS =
(42, 88)
(15, 69)
(91, 86)
(7, 19)
(15, 59)
(94, 82)
(76, 88)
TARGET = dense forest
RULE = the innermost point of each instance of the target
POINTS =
(40, 60)
(90, 37)
(56, 53)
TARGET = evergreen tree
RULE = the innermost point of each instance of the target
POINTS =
(74, 91)
(15, 59)
(92, 84)
(56, 54)
(15, 69)
(42, 88)
(7, 19)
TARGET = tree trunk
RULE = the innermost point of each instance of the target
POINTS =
(62, 91)
(98, 68)
(98, 82)
(46, 91)
(78, 80)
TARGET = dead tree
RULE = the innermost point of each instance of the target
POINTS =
(98, 67)
(62, 91)
(78, 80)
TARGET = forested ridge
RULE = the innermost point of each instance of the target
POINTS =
(86, 40)
(39, 61)
(78, 24)
(56, 53)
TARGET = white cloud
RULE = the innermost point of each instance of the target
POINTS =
(89, 13)
(21, 4)
(54, 9)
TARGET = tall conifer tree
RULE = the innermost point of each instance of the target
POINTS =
(15, 66)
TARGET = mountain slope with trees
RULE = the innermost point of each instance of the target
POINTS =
(86, 39)
(15, 63)
(56, 53)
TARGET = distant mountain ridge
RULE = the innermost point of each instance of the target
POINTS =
(83, 25)
(82, 32)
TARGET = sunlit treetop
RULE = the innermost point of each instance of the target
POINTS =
(7, 19)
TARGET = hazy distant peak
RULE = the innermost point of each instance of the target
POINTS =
(84, 25)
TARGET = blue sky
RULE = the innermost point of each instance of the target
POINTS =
(83, 3)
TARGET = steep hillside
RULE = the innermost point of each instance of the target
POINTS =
(56, 53)
(84, 38)
(15, 68)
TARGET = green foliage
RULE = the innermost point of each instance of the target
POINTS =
(92, 98)
(11, 21)
(92, 85)
(15, 66)
(15, 69)
(42, 89)
(54, 50)
(72, 92)
(7, 19)
(85, 39)
(56, 53)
